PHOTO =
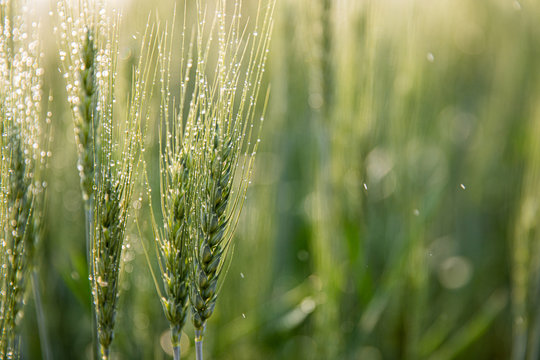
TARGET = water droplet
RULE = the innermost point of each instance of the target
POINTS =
(137, 205)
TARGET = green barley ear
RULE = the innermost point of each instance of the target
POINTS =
(177, 190)
(108, 147)
(116, 164)
(227, 112)
(22, 153)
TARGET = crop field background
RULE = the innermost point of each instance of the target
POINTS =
(394, 208)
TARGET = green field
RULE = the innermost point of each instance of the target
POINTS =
(394, 207)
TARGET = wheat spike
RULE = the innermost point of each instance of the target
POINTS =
(226, 151)
(22, 159)
(108, 144)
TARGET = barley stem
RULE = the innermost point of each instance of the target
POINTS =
(105, 353)
(89, 221)
(199, 344)
(175, 340)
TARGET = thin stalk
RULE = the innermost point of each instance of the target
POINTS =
(104, 352)
(89, 221)
(199, 344)
(175, 340)
(43, 336)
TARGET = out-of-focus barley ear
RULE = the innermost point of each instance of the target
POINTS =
(81, 36)
(230, 122)
(23, 154)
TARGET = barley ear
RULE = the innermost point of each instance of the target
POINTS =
(116, 169)
(177, 187)
(21, 146)
(226, 152)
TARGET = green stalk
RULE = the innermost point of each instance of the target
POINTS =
(176, 352)
(89, 221)
(105, 352)
(199, 344)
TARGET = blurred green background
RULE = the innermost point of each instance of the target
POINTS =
(394, 210)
